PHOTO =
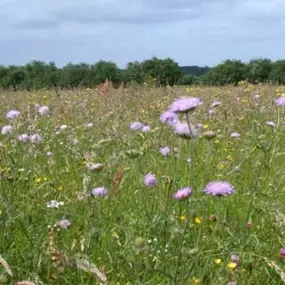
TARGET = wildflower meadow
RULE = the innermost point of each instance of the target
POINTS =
(143, 186)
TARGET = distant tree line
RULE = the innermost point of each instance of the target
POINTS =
(158, 72)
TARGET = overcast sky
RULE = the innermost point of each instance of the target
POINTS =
(202, 32)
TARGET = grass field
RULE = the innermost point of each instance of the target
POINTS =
(129, 232)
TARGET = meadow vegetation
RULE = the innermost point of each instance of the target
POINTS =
(88, 186)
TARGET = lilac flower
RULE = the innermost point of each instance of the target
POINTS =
(99, 192)
(271, 124)
(219, 188)
(235, 135)
(168, 118)
(182, 129)
(13, 114)
(280, 101)
(89, 125)
(146, 129)
(43, 110)
(6, 130)
(282, 252)
(215, 104)
(96, 167)
(165, 150)
(136, 126)
(182, 194)
(63, 224)
(150, 180)
(23, 138)
(185, 104)
(35, 138)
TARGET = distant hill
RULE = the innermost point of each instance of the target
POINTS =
(195, 70)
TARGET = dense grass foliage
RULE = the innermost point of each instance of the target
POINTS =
(138, 234)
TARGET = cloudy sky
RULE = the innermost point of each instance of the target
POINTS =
(202, 32)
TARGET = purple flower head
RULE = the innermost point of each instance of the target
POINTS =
(150, 180)
(99, 192)
(182, 194)
(282, 252)
(184, 105)
(168, 118)
(199, 126)
(271, 124)
(219, 188)
(35, 138)
(136, 126)
(146, 129)
(6, 130)
(235, 135)
(215, 104)
(43, 110)
(280, 102)
(165, 150)
(23, 138)
(13, 114)
(183, 130)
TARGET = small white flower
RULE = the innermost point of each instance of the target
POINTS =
(23, 138)
(43, 110)
(6, 130)
(63, 127)
(54, 204)
(89, 125)
(63, 224)
(75, 141)
(35, 138)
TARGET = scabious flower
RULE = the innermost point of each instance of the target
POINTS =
(185, 104)
(219, 188)
(13, 114)
(235, 135)
(182, 194)
(168, 118)
(99, 192)
(146, 129)
(35, 138)
(150, 180)
(136, 126)
(43, 110)
(280, 102)
(183, 130)
(6, 130)
(271, 124)
(165, 150)
(94, 167)
(23, 137)
(282, 252)
(63, 224)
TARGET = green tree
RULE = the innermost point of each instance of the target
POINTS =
(258, 70)
(277, 74)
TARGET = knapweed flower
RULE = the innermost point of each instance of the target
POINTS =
(165, 150)
(43, 110)
(23, 137)
(182, 194)
(168, 118)
(183, 130)
(271, 124)
(150, 180)
(94, 167)
(54, 204)
(185, 104)
(235, 135)
(282, 252)
(215, 104)
(146, 129)
(99, 192)
(136, 126)
(219, 188)
(13, 114)
(6, 130)
(35, 138)
(280, 102)
(63, 224)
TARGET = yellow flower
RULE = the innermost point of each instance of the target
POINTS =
(205, 126)
(45, 179)
(195, 281)
(197, 220)
(182, 218)
(38, 180)
(218, 261)
(59, 188)
(232, 265)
